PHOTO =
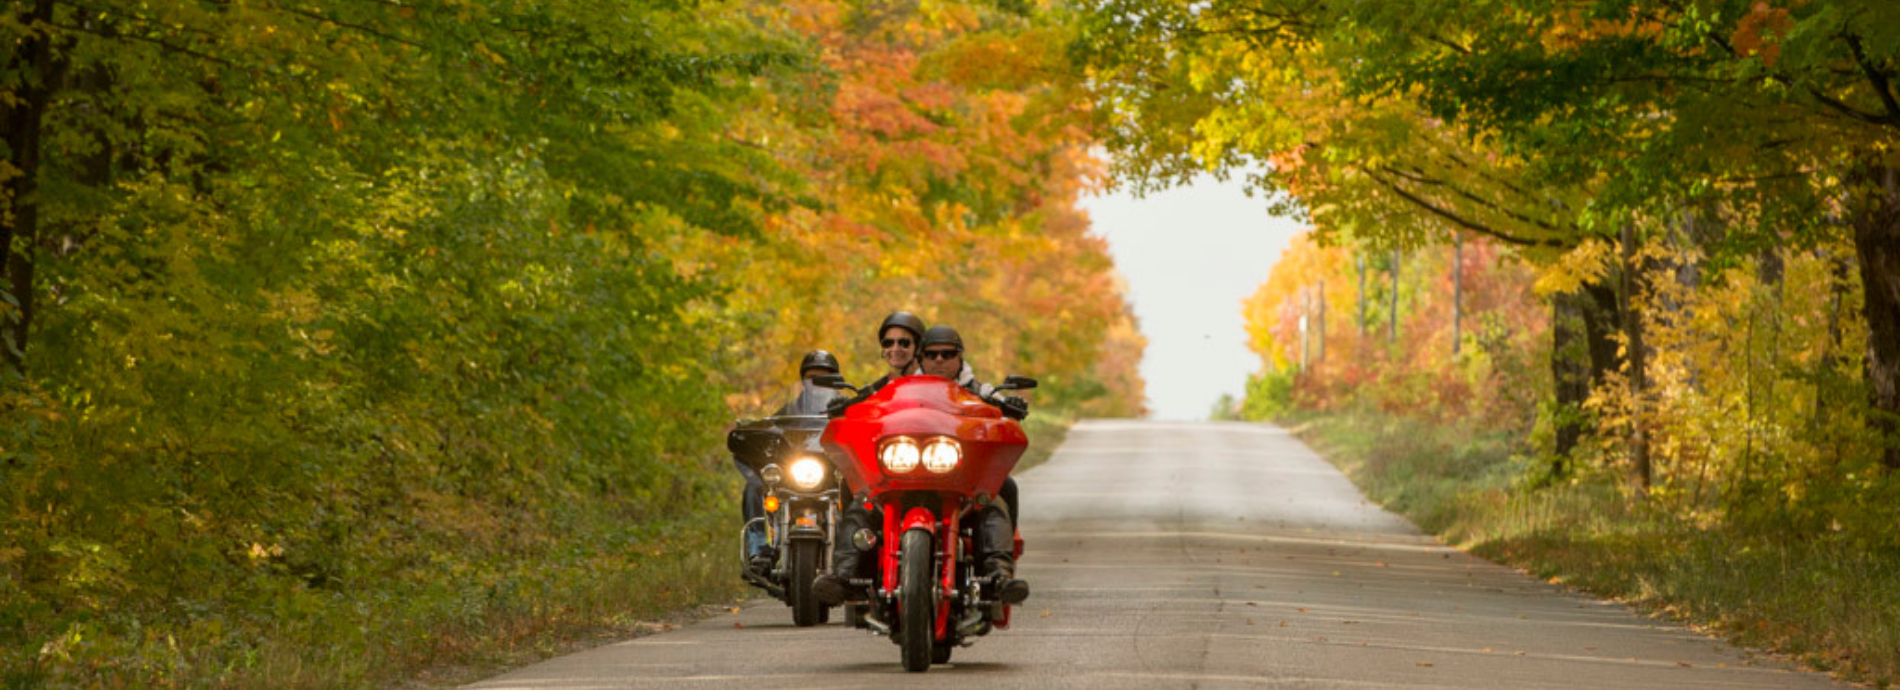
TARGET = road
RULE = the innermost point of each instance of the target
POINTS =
(1210, 555)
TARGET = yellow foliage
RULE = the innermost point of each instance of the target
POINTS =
(1587, 263)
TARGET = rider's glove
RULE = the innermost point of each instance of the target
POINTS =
(836, 407)
(1014, 407)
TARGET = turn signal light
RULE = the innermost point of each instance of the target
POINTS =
(771, 504)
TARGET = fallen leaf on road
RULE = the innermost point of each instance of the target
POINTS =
(735, 609)
(1348, 622)
(1518, 653)
(1685, 664)
(1045, 613)
(1380, 564)
(1425, 664)
(1250, 621)
(1252, 604)
(737, 624)
(1335, 573)
(1301, 610)
(1282, 624)
(1487, 650)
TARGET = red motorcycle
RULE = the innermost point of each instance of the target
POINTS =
(927, 454)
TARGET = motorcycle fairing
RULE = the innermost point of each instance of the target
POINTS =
(922, 407)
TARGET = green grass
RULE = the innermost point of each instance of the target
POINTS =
(450, 621)
(1822, 600)
(1045, 431)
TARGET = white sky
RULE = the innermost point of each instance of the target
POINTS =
(1191, 254)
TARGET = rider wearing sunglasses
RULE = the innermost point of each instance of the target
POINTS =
(897, 340)
(943, 356)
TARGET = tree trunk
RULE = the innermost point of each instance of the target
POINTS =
(1875, 216)
(1639, 386)
(24, 119)
(1393, 333)
(1569, 367)
(1457, 290)
(1600, 325)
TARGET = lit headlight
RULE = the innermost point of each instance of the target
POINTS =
(942, 455)
(807, 472)
(899, 455)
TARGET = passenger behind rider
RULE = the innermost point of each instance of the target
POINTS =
(942, 350)
(811, 400)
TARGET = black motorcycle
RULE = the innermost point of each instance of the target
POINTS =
(802, 499)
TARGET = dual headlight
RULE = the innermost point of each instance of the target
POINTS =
(807, 472)
(903, 454)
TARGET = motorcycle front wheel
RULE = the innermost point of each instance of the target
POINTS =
(917, 605)
(806, 609)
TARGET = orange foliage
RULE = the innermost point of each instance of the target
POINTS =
(1347, 362)
(1761, 30)
(945, 178)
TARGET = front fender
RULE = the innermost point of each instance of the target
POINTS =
(894, 528)
(918, 518)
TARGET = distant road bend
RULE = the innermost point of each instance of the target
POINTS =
(1205, 555)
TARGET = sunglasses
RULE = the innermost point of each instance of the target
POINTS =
(941, 354)
(896, 342)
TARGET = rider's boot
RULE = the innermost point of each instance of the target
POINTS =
(832, 589)
(759, 555)
(1002, 574)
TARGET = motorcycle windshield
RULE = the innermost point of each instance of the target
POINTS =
(805, 400)
(789, 423)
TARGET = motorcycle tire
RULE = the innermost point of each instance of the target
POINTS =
(917, 605)
(940, 652)
(804, 568)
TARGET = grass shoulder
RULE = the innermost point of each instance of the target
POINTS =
(1046, 432)
(1828, 603)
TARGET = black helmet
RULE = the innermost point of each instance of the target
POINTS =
(818, 359)
(941, 335)
(904, 320)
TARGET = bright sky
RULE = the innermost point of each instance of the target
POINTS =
(1190, 255)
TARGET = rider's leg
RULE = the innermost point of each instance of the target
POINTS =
(1009, 499)
(996, 544)
(835, 587)
(751, 506)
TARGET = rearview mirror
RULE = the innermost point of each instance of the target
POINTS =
(832, 381)
(1016, 383)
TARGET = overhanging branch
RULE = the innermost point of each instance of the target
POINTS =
(1460, 221)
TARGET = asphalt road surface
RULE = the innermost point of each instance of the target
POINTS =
(1190, 555)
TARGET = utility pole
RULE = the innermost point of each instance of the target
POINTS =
(1305, 301)
(1322, 320)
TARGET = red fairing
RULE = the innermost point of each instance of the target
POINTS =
(923, 407)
